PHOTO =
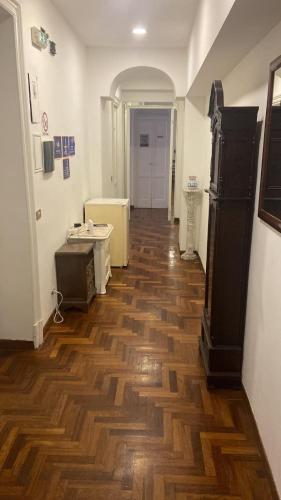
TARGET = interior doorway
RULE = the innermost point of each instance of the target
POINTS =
(19, 287)
(150, 157)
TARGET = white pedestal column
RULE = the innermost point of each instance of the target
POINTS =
(192, 196)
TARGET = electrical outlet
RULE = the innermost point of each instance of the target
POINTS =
(38, 214)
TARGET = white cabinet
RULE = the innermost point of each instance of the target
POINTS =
(102, 264)
(101, 241)
(113, 211)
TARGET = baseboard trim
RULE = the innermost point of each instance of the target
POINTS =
(262, 449)
(48, 323)
(199, 258)
(38, 334)
(16, 345)
(200, 262)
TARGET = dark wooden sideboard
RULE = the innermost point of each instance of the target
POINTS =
(76, 275)
(231, 206)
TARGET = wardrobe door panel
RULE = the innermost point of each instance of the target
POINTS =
(215, 185)
(230, 274)
(238, 175)
(211, 253)
(231, 204)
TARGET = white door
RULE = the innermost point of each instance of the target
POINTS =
(160, 164)
(151, 172)
(143, 150)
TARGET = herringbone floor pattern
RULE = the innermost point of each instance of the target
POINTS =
(115, 407)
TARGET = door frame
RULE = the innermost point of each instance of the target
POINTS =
(172, 147)
(14, 9)
(129, 156)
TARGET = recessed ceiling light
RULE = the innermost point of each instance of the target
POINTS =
(139, 30)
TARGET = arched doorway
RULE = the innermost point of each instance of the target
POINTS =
(135, 92)
(143, 84)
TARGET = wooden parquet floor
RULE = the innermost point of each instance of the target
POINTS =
(114, 406)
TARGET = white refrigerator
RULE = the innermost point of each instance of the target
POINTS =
(113, 211)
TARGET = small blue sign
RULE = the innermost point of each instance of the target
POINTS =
(57, 147)
(66, 168)
(71, 145)
(65, 146)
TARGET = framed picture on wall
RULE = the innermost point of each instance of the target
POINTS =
(65, 146)
(144, 140)
(35, 114)
(71, 145)
(66, 168)
(57, 147)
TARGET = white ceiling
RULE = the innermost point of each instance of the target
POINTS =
(248, 22)
(108, 23)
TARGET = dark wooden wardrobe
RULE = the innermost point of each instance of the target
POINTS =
(231, 205)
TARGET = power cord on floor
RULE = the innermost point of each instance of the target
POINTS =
(58, 318)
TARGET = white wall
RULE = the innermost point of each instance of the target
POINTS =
(197, 152)
(104, 65)
(136, 96)
(206, 28)
(179, 132)
(112, 177)
(277, 86)
(247, 85)
(120, 151)
(146, 85)
(209, 19)
(62, 88)
(16, 302)
(108, 186)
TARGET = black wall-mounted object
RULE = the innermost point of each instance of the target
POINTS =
(231, 205)
(48, 156)
(53, 48)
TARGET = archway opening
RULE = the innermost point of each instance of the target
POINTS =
(143, 84)
(140, 93)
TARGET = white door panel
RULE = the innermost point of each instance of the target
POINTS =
(151, 173)
(143, 193)
(159, 190)
(143, 164)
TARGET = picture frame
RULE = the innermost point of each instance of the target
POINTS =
(71, 146)
(35, 114)
(57, 146)
(144, 140)
(66, 168)
(65, 146)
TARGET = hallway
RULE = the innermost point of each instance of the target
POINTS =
(114, 405)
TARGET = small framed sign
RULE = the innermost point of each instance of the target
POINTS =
(65, 146)
(66, 168)
(57, 147)
(144, 140)
(45, 123)
(71, 145)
